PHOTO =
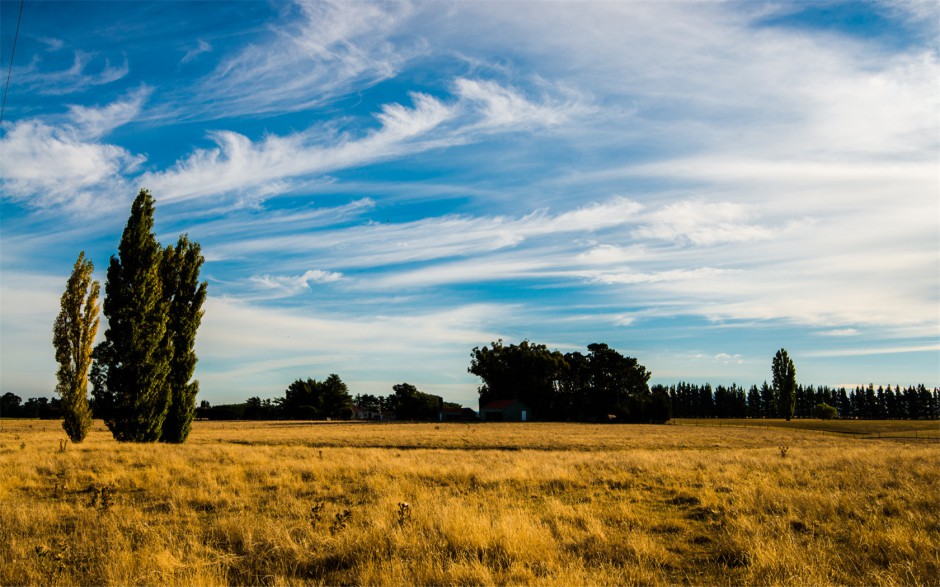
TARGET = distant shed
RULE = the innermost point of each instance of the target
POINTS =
(505, 410)
(458, 415)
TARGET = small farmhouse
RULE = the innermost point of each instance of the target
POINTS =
(361, 413)
(505, 410)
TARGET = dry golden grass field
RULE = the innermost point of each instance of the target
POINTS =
(289, 503)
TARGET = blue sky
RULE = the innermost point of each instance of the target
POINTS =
(379, 188)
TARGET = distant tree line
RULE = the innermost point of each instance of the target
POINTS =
(864, 403)
(12, 406)
(600, 385)
(686, 400)
(309, 399)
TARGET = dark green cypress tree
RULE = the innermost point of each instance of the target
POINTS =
(181, 288)
(754, 408)
(784, 383)
(132, 382)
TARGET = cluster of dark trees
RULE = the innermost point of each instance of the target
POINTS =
(309, 399)
(141, 372)
(12, 406)
(601, 385)
(407, 403)
(317, 400)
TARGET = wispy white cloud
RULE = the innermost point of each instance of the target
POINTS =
(237, 165)
(249, 224)
(866, 352)
(380, 244)
(288, 285)
(728, 358)
(921, 14)
(749, 170)
(891, 110)
(759, 282)
(49, 164)
(52, 44)
(201, 47)
(793, 94)
(77, 78)
(400, 122)
(776, 293)
(95, 122)
(594, 216)
(839, 332)
(649, 277)
(274, 165)
(484, 270)
(506, 108)
(702, 223)
(605, 254)
(325, 50)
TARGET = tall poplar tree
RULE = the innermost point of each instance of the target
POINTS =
(784, 383)
(73, 335)
(186, 295)
(132, 380)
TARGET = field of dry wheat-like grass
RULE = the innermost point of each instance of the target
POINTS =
(289, 503)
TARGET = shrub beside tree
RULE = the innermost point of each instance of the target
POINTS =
(825, 412)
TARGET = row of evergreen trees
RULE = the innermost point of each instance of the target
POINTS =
(866, 403)
(141, 372)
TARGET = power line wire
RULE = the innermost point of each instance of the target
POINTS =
(16, 36)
